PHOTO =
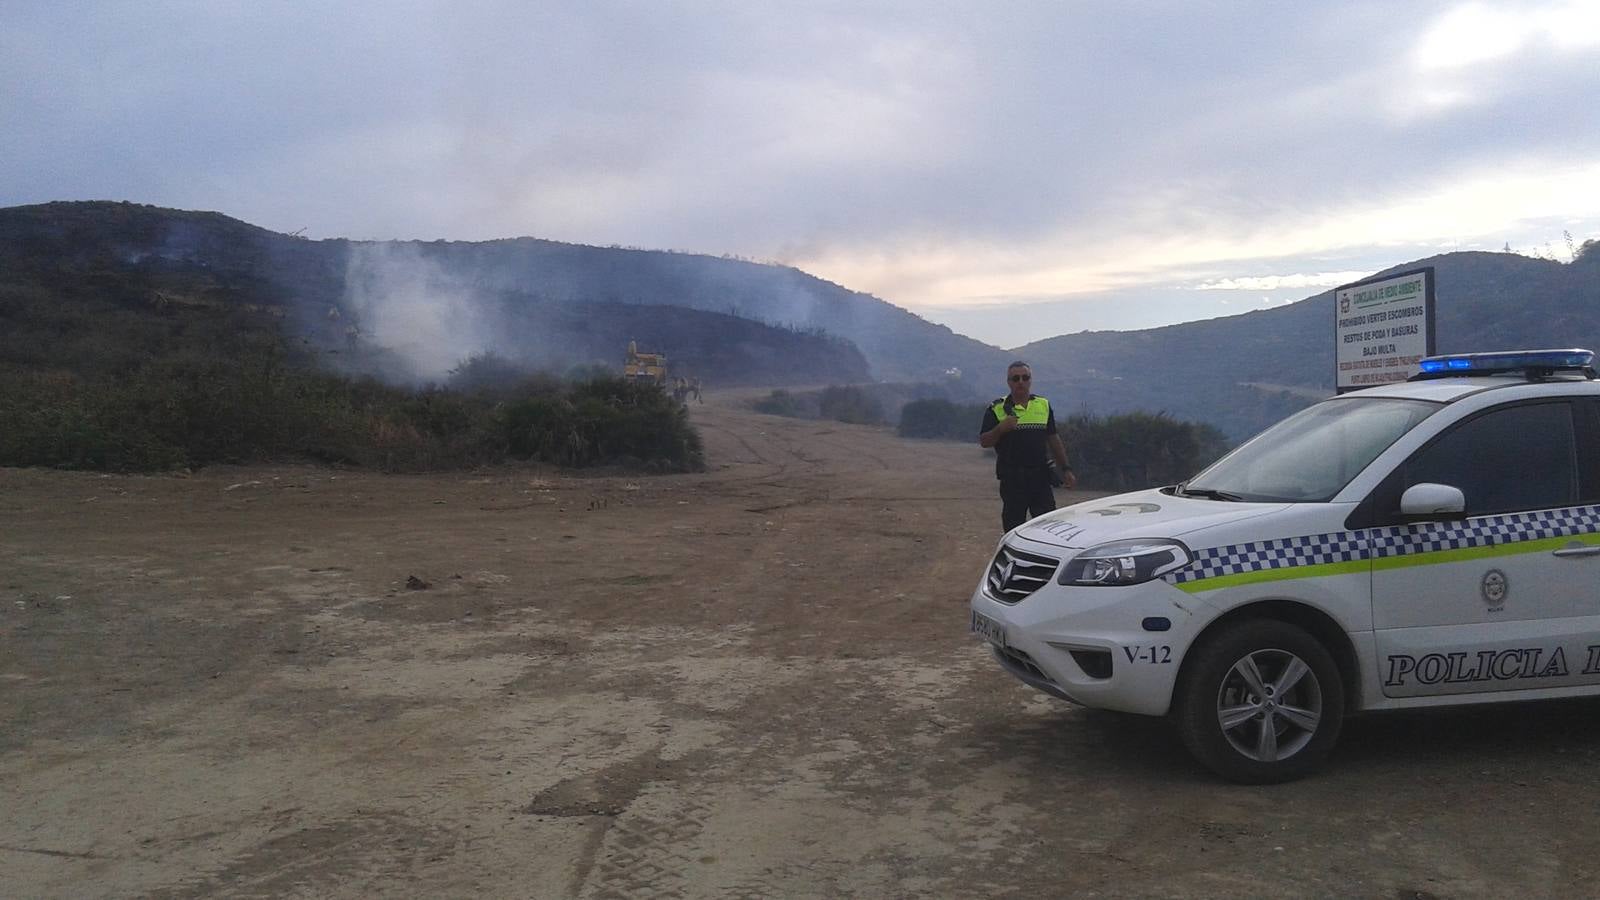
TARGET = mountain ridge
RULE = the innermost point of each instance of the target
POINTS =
(1244, 372)
(540, 300)
(314, 275)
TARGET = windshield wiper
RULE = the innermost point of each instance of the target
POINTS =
(1185, 491)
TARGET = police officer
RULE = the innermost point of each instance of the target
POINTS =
(1021, 428)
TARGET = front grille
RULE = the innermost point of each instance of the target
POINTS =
(1013, 574)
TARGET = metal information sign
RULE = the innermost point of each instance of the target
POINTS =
(1382, 328)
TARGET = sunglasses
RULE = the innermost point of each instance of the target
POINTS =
(1022, 378)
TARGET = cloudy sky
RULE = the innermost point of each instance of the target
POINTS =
(1014, 170)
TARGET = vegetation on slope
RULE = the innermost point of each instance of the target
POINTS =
(1242, 373)
(115, 383)
(1116, 453)
(852, 404)
(1121, 452)
(540, 303)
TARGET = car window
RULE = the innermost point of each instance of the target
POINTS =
(1509, 459)
(1313, 454)
(1586, 416)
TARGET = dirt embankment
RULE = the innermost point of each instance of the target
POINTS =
(752, 682)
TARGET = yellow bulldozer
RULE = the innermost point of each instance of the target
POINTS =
(651, 367)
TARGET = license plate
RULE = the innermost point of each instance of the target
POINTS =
(991, 630)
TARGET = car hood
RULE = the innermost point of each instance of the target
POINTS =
(1142, 514)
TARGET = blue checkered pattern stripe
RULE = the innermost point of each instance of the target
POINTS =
(1378, 543)
(1236, 559)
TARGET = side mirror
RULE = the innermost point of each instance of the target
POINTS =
(1427, 502)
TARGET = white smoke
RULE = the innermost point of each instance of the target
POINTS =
(399, 300)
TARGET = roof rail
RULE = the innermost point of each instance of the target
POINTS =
(1532, 364)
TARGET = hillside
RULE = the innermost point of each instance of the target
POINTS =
(434, 303)
(1244, 372)
(411, 311)
(898, 345)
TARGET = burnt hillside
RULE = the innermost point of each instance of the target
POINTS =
(411, 310)
(541, 303)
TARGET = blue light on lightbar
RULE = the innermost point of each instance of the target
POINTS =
(1507, 361)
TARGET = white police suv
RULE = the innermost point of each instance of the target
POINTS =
(1431, 542)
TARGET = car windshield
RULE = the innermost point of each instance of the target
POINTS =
(1310, 456)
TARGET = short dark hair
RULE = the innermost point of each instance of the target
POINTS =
(1019, 364)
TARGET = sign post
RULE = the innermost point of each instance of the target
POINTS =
(1382, 328)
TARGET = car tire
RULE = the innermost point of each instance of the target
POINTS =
(1260, 702)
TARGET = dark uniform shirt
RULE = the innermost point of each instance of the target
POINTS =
(1024, 447)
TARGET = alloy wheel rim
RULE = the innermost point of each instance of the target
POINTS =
(1269, 705)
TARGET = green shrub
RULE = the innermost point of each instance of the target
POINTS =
(1138, 450)
(849, 404)
(601, 421)
(109, 384)
(781, 403)
(940, 418)
(1124, 452)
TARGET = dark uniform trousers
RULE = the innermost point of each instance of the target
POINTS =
(1024, 493)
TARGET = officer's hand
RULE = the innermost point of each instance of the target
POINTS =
(1009, 422)
(1069, 480)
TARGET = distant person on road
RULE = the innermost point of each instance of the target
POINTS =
(1021, 428)
(694, 385)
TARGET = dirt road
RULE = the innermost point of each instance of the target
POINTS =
(753, 682)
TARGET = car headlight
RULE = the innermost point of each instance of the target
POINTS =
(1125, 562)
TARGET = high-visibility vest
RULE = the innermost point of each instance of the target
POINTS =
(1035, 415)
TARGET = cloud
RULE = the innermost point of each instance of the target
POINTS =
(1474, 35)
(1280, 282)
(1478, 210)
(937, 155)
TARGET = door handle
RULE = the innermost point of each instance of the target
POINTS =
(1583, 550)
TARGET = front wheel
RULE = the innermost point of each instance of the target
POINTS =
(1261, 702)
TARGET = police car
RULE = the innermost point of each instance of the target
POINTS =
(1426, 543)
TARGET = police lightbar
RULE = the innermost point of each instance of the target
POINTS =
(1533, 363)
